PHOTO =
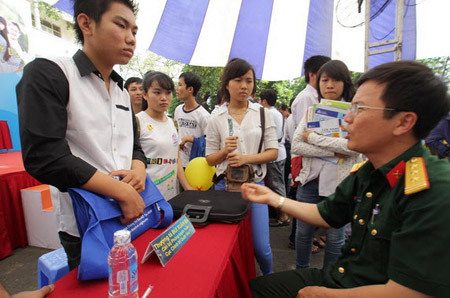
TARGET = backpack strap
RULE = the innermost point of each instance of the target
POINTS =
(263, 127)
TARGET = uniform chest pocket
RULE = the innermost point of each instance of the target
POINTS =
(381, 234)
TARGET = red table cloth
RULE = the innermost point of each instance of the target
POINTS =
(5, 136)
(217, 261)
(13, 232)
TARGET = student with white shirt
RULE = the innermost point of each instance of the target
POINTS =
(233, 136)
(76, 122)
(159, 137)
(191, 117)
(318, 177)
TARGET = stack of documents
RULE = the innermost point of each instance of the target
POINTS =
(327, 117)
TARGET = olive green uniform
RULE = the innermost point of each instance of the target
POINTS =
(406, 238)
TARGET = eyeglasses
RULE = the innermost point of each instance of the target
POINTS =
(356, 108)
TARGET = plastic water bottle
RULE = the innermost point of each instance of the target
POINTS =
(122, 262)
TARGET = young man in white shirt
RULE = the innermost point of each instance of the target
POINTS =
(191, 117)
(308, 96)
(76, 123)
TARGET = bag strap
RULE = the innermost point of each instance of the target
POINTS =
(138, 128)
(282, 130)
(263, 127)
(167, 214)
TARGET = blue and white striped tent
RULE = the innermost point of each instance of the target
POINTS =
(276, 36)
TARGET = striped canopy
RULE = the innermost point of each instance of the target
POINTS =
(277, 36)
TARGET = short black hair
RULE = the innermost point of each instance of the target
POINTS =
(131, 80)
(192, 80)
(337, 70)
(313, 64)
(235, 68)
(269, 95)
(163, 80)
(95, 10)
(284, 107)
(411, 86)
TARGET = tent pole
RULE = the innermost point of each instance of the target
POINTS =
(397, 42)
(367, 33)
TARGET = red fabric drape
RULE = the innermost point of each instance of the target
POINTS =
(5, 136)
(13, 232)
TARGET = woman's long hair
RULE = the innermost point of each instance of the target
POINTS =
(337, 70)
(4, 34)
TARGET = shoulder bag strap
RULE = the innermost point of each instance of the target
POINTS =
(263, 128)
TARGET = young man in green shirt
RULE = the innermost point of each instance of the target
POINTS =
(397, 202)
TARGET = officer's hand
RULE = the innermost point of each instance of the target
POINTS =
(42, 292)
(258, 193)
(311, 292)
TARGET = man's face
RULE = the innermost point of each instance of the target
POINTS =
(114, 36)
(182, 90)
(368, 131)
(135, 90)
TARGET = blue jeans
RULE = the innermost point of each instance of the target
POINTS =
(309, 193)
(260, 233)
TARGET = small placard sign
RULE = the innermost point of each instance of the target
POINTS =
(170, 241)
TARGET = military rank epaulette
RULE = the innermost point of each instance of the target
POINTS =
(357, 166)
(416, 176)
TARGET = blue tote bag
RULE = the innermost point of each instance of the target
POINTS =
(98, 218)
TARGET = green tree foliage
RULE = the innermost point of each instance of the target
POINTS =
(145, 61)
(440, 66)
(285, 90)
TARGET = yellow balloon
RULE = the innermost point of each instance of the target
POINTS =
(199, 174)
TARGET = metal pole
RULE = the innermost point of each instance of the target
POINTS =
(367, 32)
(399, 29)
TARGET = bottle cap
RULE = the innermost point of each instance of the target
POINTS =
(122, 237)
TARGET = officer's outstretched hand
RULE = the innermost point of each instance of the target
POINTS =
(258, 193)
(311, 292)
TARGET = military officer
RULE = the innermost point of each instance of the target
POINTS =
(398, 202)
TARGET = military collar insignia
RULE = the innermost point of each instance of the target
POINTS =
(396, 173)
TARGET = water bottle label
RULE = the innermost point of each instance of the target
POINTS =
(122, 279)
(134, 277)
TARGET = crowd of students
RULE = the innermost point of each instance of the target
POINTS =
(99, 130)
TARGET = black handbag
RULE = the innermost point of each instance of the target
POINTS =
(204, 207)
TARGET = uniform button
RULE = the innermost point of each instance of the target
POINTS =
(361, 222)
(369, 194)
(374, 232)
(353, 250)
(355, 217)
(341, 270)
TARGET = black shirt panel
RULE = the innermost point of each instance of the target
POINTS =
(42, 96)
